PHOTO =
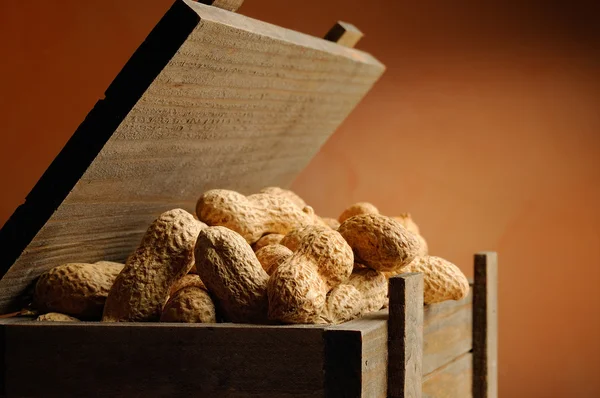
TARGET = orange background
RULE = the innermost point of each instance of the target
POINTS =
(486, 127)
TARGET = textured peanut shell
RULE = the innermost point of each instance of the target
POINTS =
(233, 275)
(296, 294)
(271, 257)
(56, 317)
(372, 285)
(379, 242)
(407, 222)
(331, 222)
(324, 249)
(344, 303)
(252, 216)
(358, 209)
(423, 246)
(76, 289)
(442, 280)
(190, 305)
(163, 257)
(286, 193)
(187, 281)
(269, 239)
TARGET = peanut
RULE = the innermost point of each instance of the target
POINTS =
(252, 216)
(187, 281)
(407, 222)
(271, 257)
(286, 193)
(190, 304)
(269, 239)
(372, 285)
(76, 289)
(297, 288)
(296, 294)
(379, 242)
(56, 317)
(232, 273)
(164, 256)
(357, 209)
(442, 280)
(343, 303)
(423, 246)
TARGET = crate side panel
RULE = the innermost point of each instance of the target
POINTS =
(131, 360)
(447, 332)
(241, 105)
(451, 380)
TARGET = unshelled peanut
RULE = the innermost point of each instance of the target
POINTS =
(442, 280)
(252, 216)
(343, 303)
(163, 257)
(379, 242)
(56, 317)
(269, 239)
(358, 209)
(190, 304)
(372, 285)
(187, 281)
(271, 257)
(76, 289)
(286, 193)
(233, 275)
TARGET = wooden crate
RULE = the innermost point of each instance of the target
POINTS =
(213, 99)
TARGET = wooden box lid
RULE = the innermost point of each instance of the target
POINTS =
(211, 99)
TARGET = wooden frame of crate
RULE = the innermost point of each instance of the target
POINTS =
(213, 99)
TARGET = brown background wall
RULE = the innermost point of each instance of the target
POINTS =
(486, 127)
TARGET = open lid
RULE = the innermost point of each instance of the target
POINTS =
(211, 99)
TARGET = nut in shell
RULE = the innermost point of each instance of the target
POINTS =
(344, 303)
(189, 305)
(358, 209)
(372, 285)
(271, 257)
(442, 279)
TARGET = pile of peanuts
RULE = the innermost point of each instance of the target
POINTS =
(266, 258)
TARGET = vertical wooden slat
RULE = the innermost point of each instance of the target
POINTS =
(343, 363)
(485, 326)
(405, 336)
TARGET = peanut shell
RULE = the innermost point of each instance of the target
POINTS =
(252, 216)
(286, 193)
(344, 303)
(442, 280)
(357, 209)
(163, 257)
(56, 317)
(77, 289)
(189, 305)
(372, 285)
(233, 275)
(269, 239)
(296, 294)
(271, 257)
(187, 281)
(407, 222)
(379, 242)
(331, 222)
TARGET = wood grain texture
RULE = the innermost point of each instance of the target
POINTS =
(447, 332)
(226, 102)
(452, 380)
(405, 336)
(124, 360)
(344, 34)
(229, 5)
(374, 354)
(485, 326)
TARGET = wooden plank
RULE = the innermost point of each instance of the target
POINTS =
(344, 34)
(405, 336)
(374, 336)
(229, 5)
(452, 380)
(212, 99)
(447, 332)
(485, 326)
(124, 360)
